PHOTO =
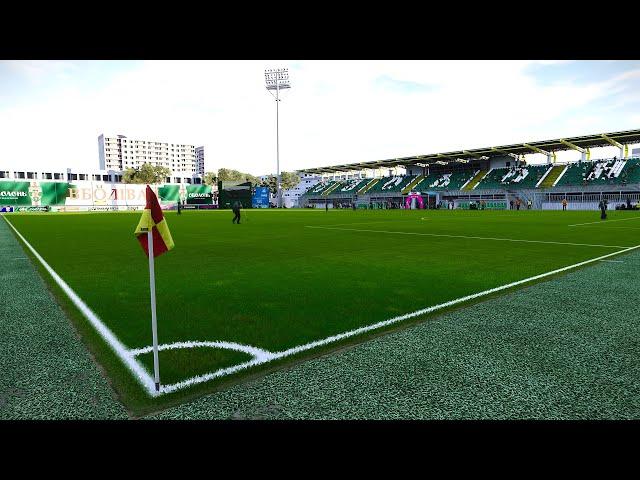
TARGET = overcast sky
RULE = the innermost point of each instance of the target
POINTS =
(51, 112)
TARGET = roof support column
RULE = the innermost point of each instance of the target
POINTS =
(583, 151)
(550, 155)
(615, 144)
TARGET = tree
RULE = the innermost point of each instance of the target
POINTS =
(210, 178)
(287, 180)
(230, 175)
(129, 175)
(271, 182)
(146, 173)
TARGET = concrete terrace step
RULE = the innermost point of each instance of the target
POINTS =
(475, 180)
(552, 176)
(331, 189)
(415, 182)
(368, 186)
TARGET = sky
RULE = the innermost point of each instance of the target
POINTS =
(52, 112)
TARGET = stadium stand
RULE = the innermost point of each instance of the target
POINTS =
(350, 186)
(514, 177)
(631, 173)
(392, 184)
(321, 187)
(446, 181)
(601, 172)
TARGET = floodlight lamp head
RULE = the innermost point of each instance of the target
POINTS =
(276, 78)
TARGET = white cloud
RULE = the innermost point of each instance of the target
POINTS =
(336, 112)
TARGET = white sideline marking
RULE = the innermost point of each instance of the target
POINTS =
(604, 222)
(260, 356)
(334, 338)
(118, 347)
(472, 238)
(612, 261)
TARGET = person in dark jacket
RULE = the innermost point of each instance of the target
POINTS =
(603, 209)
(236, 212)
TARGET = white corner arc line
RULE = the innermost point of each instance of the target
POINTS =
(116, 345)
(604, 223)
(255, 352)
(471, 237)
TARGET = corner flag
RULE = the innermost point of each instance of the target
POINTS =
(154, 236)
(153, 220)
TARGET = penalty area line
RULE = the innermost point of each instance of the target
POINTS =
(601, 222)
(470, 237)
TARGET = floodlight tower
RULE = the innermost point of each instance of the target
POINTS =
(277, 79)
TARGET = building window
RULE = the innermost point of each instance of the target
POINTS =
(18, 174)
(105, 178)
(57, 176)
(31, 175)
(72, 176)
(96, 177)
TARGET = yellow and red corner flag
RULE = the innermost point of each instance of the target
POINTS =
(153, 219)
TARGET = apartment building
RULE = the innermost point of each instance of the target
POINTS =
(118, 152)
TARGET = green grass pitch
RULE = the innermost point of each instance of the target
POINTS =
(287, 278)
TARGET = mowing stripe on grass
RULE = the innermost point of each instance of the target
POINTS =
(375, 326)
(118, 347)
(470, 237)
(600, 222)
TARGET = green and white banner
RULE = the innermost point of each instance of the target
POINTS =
(98, 196)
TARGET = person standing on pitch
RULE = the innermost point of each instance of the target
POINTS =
(178, 206)
(564, 204)
(603, 209)
(236, 212)
(326, 207)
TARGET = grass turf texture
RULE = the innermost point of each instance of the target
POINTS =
(46, 372)
(274, 283)
(529, 354)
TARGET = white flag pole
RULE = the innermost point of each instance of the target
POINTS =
(154, 323)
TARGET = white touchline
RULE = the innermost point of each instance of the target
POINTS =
(470, 237)
(261, 356)
(118, 347)
(603, 223)
(612, 261)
